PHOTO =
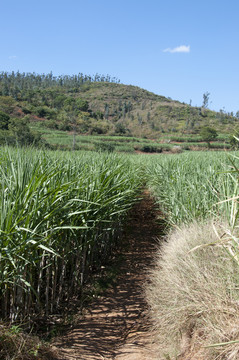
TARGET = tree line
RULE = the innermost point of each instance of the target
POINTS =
(14, 82)
(25, 96)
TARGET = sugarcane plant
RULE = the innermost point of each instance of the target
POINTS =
(60, 217)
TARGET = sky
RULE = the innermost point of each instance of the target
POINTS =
(176, 48)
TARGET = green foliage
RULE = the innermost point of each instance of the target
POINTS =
(44, 111)
(104, 146)
(4, 120)
(26, 110)
(206, 99)
(234, 142)
(59, 101)
(52, 124)
(208, 134)
(121, 129)
(69, 104)
(99, 127)
(137, 111)
(98, 115)
(150, 149)
(60, 217)
(189, 186)
(7, 104)
(82, 105)
(20, 131)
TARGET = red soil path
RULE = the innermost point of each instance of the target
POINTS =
(116, 326)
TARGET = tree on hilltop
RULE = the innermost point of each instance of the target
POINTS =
(205, 100)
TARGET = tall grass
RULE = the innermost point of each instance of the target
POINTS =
(193, 289)
(190, 186)
(193, 295)
(60, 216)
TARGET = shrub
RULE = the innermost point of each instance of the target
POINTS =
(121, 129)
(45, 112)
(104, 146)
(4, 120)
(208, 134)
(148, 148)
(176, 149)
(26, 110)
(51, 124)
(14, 344)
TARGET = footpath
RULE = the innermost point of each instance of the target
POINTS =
(116, 325)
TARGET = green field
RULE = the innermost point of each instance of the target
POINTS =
(62, 212)
(188, 186)
(63, 140)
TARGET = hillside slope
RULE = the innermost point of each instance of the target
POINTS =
(100, 105)
(147, 114)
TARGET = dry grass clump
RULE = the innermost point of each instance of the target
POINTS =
(16, 345)
(176, 150)
(194, 295)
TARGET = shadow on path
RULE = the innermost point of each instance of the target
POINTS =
(116, 325)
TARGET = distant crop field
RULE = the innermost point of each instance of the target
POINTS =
(67, 140)
(189, 186)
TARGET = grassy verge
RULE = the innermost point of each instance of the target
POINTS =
(194, 295)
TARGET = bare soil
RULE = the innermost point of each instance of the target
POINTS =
(115, 325)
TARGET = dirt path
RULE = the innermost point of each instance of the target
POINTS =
(116, 325)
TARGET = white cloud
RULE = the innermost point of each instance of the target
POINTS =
(12, 57)
(178, 49)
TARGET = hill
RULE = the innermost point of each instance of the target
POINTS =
(142, 113)
(100, 105)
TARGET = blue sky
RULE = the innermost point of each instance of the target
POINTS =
(179, 49)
